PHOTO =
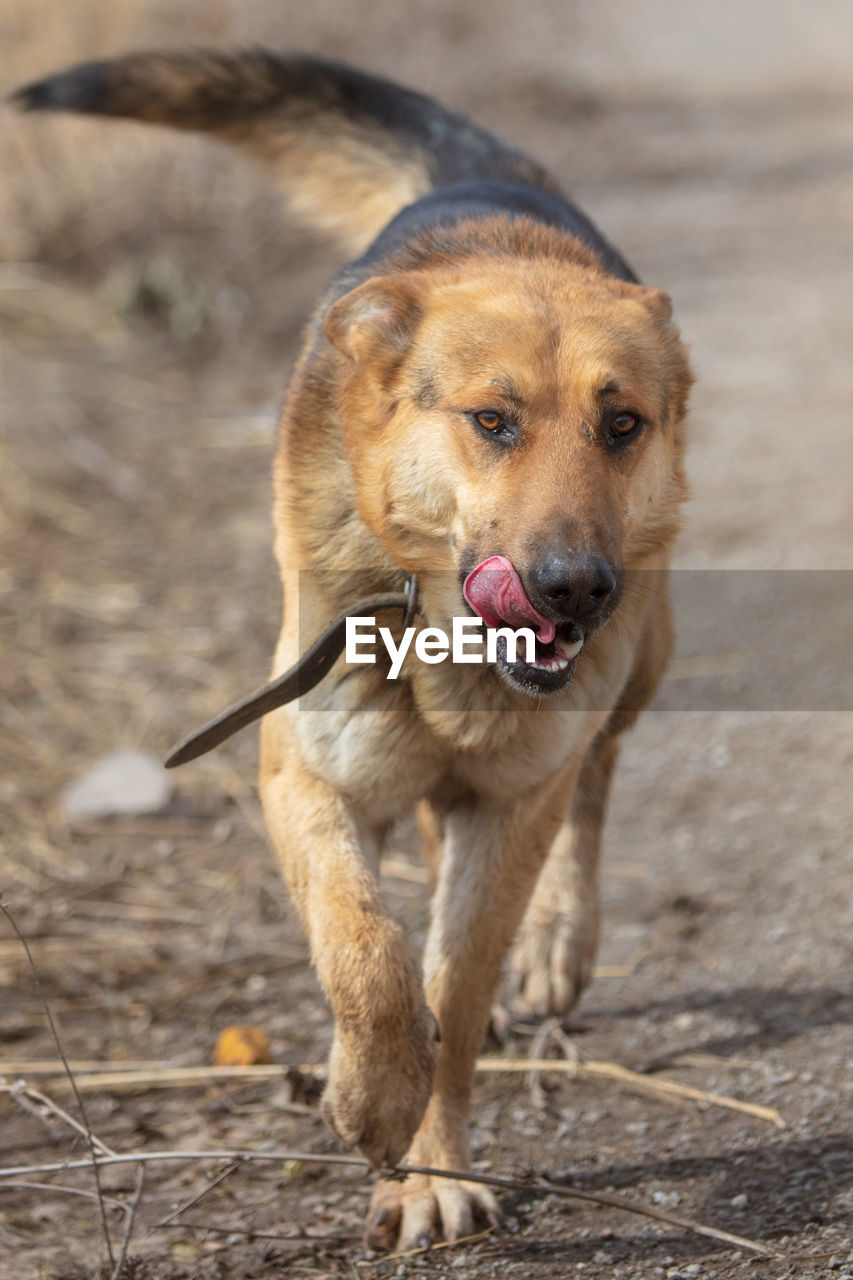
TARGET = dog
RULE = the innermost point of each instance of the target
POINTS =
(487, 399)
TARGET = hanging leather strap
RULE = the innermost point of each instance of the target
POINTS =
(314, 664)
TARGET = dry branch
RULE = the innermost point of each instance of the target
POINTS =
(648, 1084)
(33, 1099)
(196, 1199)
(129, 1218)
(431, 1248)
(94, 1145)
(56, 1188)
(152, 1076)
(534, 1185)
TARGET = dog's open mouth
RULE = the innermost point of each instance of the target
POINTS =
(495, 592)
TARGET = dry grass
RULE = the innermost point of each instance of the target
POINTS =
(126, 434)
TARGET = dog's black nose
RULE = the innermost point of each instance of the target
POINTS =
(575, 585)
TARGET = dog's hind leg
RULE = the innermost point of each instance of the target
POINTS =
(553, 957)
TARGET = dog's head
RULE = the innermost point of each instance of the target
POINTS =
(517, 421)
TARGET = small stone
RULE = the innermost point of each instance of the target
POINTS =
(739, 1201)
(124, 783)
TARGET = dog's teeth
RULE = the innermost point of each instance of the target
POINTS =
(571, 650)
(552, 664)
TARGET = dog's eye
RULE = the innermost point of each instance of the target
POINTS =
(624, 424)
(503, 430)
(489, 420)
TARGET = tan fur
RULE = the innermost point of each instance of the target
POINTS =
(348, 192)
(380, 472)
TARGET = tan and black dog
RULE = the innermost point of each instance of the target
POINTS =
(488, 399)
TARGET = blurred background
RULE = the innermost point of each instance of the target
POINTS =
(151, 297)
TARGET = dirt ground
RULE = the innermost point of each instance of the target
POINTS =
(151, 296)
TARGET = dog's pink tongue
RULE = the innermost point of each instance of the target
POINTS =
(494, 591)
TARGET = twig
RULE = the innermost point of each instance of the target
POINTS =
(653, 1085)
(20, 1091)
(535, 1186)
(146, 1157)
(44, 1067)
(68, 1072)
(142, 1076)
(543, 1187)
(189, 1204)
(155, 1077)
(647, 1084)
(177, 1078)
(129, 1215)
(431, 1248)
(23, 1185)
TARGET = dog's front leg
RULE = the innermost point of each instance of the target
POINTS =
(491, 859)
(383, 1055)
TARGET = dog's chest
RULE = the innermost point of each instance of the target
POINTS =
(376, 753)
(386, 753)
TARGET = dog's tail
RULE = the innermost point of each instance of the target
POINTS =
(351, 149)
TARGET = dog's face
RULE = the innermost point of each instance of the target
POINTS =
(518, 424)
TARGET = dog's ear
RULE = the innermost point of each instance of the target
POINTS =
(374, 321)
(658, 305)
(656, 301)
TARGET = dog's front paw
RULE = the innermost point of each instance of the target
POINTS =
(554, 955)
(414, 1213)
(378, 1090)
